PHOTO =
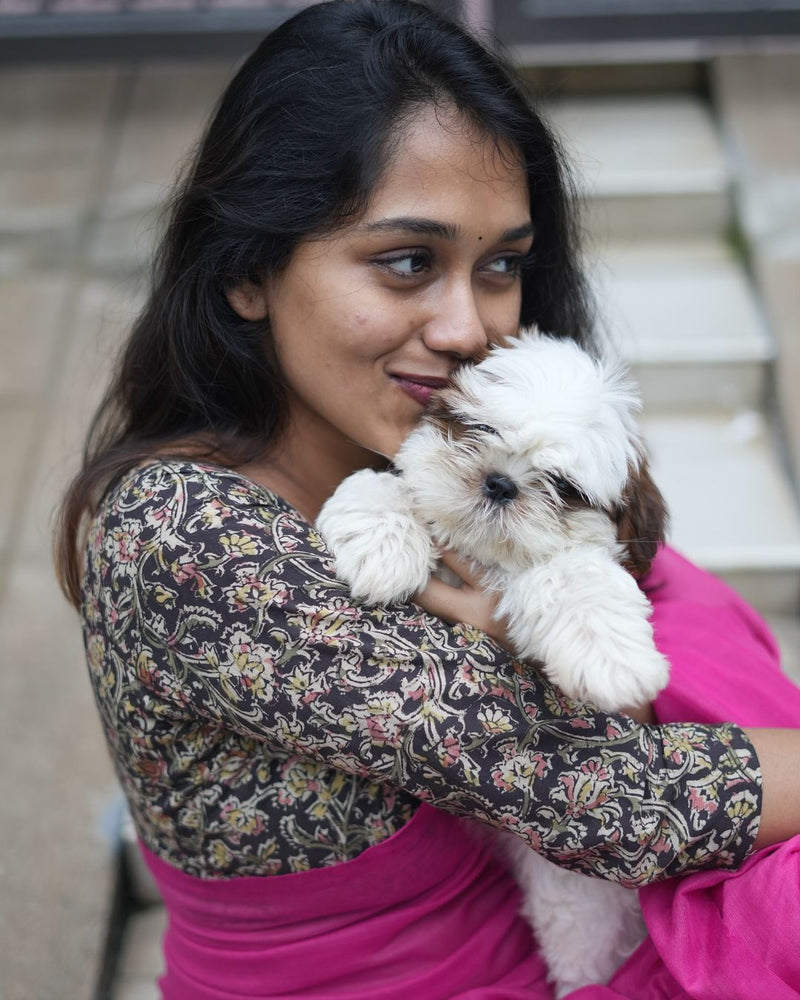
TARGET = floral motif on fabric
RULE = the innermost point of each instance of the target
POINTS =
(262, 722)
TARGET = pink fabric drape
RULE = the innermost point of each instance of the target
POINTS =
(717, 935)
(428, 915)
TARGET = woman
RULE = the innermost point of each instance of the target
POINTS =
(373, 204)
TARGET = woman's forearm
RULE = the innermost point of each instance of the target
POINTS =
(778, 753)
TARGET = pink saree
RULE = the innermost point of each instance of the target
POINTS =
(717, 935)
(427, 914)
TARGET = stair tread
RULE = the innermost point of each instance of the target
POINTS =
(730, 501)
(642, 144)
(679, 300)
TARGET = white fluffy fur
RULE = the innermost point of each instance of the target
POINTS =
(533, 412)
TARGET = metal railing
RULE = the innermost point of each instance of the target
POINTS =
(542, 22)
(79, 29)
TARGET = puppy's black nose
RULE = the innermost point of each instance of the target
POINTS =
(499, 489)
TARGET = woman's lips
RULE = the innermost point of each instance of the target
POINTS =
(420, 387)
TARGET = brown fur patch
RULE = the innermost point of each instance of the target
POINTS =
(442, 412)
(641, 520)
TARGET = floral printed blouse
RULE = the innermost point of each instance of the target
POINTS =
(263, 722)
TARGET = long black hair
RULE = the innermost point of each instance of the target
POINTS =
(296, 145)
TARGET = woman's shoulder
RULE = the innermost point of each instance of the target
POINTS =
(181, 488)
(161, 478)
(175, 526)
(179, 502)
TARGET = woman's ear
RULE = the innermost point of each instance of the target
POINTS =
(249, 300)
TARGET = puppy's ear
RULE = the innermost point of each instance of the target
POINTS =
(641, 519)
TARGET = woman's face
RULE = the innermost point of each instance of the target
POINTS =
(367, 322)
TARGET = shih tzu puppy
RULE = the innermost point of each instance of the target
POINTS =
(531, 465)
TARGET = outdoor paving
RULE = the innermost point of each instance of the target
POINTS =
(86, 157)
(86, 154)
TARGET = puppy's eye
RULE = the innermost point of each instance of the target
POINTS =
(565, 489)
(481, 428)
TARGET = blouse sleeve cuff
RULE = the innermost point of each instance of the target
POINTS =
(717, 810)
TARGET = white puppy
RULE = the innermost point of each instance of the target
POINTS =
(531, 465)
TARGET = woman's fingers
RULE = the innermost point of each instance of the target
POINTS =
(442, 600)
(461, 567)
(468, 603)
(642, 713)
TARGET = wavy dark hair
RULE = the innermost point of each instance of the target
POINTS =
(296, 145)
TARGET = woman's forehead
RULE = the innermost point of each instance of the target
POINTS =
(442, 163)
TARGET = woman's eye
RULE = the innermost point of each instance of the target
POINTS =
(509, 265)
(407, 264)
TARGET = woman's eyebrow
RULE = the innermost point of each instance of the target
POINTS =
(518, 233)
(440, 230)
(418, 226)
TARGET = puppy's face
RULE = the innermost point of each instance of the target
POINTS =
(532, 450)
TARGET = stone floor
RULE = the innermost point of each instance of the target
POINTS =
(85, 157)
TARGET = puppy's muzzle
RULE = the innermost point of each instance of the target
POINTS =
(499, 489)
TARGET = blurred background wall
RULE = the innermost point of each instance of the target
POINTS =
(683, 122)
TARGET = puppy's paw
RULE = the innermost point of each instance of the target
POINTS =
(381, 551)
(585, 618)
(624, 675)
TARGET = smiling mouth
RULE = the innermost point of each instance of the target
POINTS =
(419, 387)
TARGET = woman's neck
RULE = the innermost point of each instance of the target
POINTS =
(305, 469)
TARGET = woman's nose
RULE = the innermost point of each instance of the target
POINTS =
(455, 325)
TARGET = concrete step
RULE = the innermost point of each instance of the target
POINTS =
(684, 314)
(167, 105)
(786, 629)
(140, 960)
(650, 165)
(757, 96)
(141, 884)
(732, 508)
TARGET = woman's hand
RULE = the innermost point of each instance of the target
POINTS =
(468, 602)
(471, 603)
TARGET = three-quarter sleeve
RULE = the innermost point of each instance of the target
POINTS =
(232, 613)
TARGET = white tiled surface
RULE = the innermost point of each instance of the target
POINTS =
(33, 308)
(167, 107)
(685, 314)
(141, 960)
(55, 113)
(759, 100)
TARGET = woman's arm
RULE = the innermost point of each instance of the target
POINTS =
(221, 605)
(471, 603)
(778, 750)
(778, 753)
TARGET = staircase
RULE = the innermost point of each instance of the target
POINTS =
(671, 267)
